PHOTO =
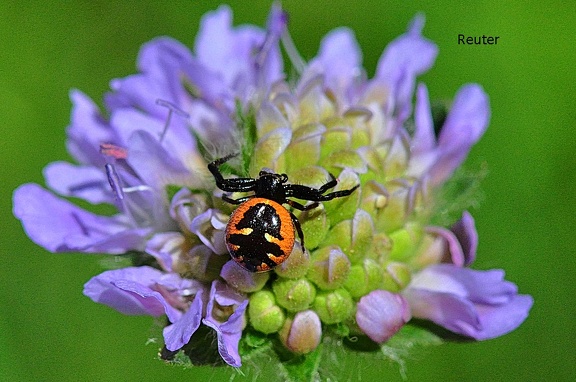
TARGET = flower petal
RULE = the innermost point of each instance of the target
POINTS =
(424, 139)
(165, 245)
(155, 165)
(87, 131)
(60, 226)
(179, 333)
(161, 61)
(231, 52)
(339, 60)
(230, 331)
(453, 250)
(405, 58)
(465, 124)
(85, 182)
(229, 335)
(477, 304)
(465, 231)
(209, 227)
(381, 314)
(128, 290)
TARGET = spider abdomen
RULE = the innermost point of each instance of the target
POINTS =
(260, 234)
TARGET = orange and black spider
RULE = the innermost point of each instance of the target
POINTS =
(260, 232)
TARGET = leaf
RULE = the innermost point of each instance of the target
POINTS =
(408, 340)
(263, 354)
(346, 358)
(301, 368)
(253, 344)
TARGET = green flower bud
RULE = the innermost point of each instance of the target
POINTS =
(396, 276)
(405, 242)
(296, 265)
(302, 334)
(242, 279)
(397, 157)
(294, 294)
(329, 268)
(430, 251)
(305, 145)
(268, 150)
(394, 215)
(335, 140)
(340, 235)
(350, 159)
(265, 316)
(364, 278)
(315, 226)
(356, 118)
(334, 307)
(341, 209)
(362, 235)
(374, 201)
(353, 236)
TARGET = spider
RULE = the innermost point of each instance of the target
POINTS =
(260, 232)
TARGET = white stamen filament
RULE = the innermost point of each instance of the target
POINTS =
(290, 48)
(171, 109)
(125, 204)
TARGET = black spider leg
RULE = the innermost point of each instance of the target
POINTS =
(295, 220)
(298, 229)
(317, 194)
(228, 199)
(231, 184)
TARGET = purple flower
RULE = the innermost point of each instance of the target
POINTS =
(142, 291)
(477, 304)
(60, 226)
(303, 333)
(371, 259)
(179, 333)
(228, 327)
(381, 314)
(456, 245)
(464, 126)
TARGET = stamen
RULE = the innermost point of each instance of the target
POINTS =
(116, 184)
(171, 109)
(297, 61)
(411, 199)
(275, 28)
(114, 181)
(113, 151)
(136, 188)
(171, 296)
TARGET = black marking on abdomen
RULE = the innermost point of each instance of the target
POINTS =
(253, 247)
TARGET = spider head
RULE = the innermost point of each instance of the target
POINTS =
(271, 185)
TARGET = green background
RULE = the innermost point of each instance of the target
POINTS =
(50, 331)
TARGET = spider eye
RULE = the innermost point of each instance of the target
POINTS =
(283, 178)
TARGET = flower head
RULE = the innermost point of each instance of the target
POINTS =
(371, 258)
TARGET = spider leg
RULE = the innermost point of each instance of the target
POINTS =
(308, 193)
(213, 166)
(328, 185)
(236, 184)
(226, 198)
(339, 194)
(301, 207)
(299, 230)
(232, 184)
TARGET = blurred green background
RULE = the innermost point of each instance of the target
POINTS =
(49, 331)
